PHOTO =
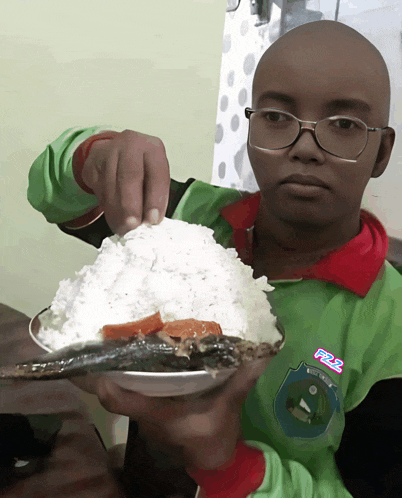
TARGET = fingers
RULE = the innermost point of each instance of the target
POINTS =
(245, 379)
(128, 208)
(201, 433)
(208, 439)
(204, 439)
(99, 174)
(123, 402)
(142, 182)
(156, 184)
(106, 188)
(129, 175)
(139, 407)
(86, 383)
(197, 413)
(118, 399)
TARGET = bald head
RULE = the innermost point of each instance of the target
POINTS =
(333, 52)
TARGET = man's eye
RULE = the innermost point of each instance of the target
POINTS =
(274, 116)
(344, 124)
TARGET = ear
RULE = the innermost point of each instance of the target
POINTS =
(384, 152)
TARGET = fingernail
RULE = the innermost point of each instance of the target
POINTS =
(132, 222)
(154, 216)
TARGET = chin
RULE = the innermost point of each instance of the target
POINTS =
(308, 216)
(306, 223)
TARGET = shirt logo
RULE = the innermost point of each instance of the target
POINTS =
(307, 402)
(329, 360)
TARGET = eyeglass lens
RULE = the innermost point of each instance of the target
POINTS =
(341, 136)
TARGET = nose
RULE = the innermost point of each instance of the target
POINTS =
(306, 148)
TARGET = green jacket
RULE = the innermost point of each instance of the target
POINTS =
(317, 428)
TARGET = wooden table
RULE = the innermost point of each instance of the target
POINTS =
(78, 465)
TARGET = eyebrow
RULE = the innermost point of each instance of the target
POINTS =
(332, 106)
(281, 97)
(349, 104)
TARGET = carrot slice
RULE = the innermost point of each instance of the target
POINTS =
(191, 328)
(147, 325)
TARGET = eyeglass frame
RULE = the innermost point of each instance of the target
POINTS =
(248, 112)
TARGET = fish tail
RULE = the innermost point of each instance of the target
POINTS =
(15, 372)
(11, 372)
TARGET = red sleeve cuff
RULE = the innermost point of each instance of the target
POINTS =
(238, 478)
(81, 154)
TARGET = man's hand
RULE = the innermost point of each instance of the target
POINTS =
(129, 174)
(194, 432)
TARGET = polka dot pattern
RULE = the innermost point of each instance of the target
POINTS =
(249, 64)
(224, 103)
(238, 159)
(243, 45)
(218, 133)
(244, 27)
(231, 77)
(244, 41)
(234, 123)
(227, 43)
(242, 97)
(222, 170)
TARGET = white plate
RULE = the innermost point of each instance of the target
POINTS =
(154, 383)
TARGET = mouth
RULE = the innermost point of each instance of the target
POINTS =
(307, 180)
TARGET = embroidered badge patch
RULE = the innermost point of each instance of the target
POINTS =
(306, 402)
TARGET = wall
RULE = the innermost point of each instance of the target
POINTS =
(151, 66)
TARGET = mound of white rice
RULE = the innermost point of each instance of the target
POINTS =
(176, 268)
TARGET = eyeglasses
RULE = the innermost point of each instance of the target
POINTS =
(341, 136)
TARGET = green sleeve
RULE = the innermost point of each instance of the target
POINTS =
(97, 231)
(290, 479)
(52, 189)
(201, 204)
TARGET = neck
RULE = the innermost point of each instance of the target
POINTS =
(281, 245)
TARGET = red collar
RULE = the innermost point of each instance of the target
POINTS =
(354, 266)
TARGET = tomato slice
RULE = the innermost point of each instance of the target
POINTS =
(191, 328)
(152, 324)
(147, 325)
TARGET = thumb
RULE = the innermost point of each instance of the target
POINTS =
(121, 401)
(246, 378)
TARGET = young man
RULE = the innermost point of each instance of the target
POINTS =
(324, 417)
